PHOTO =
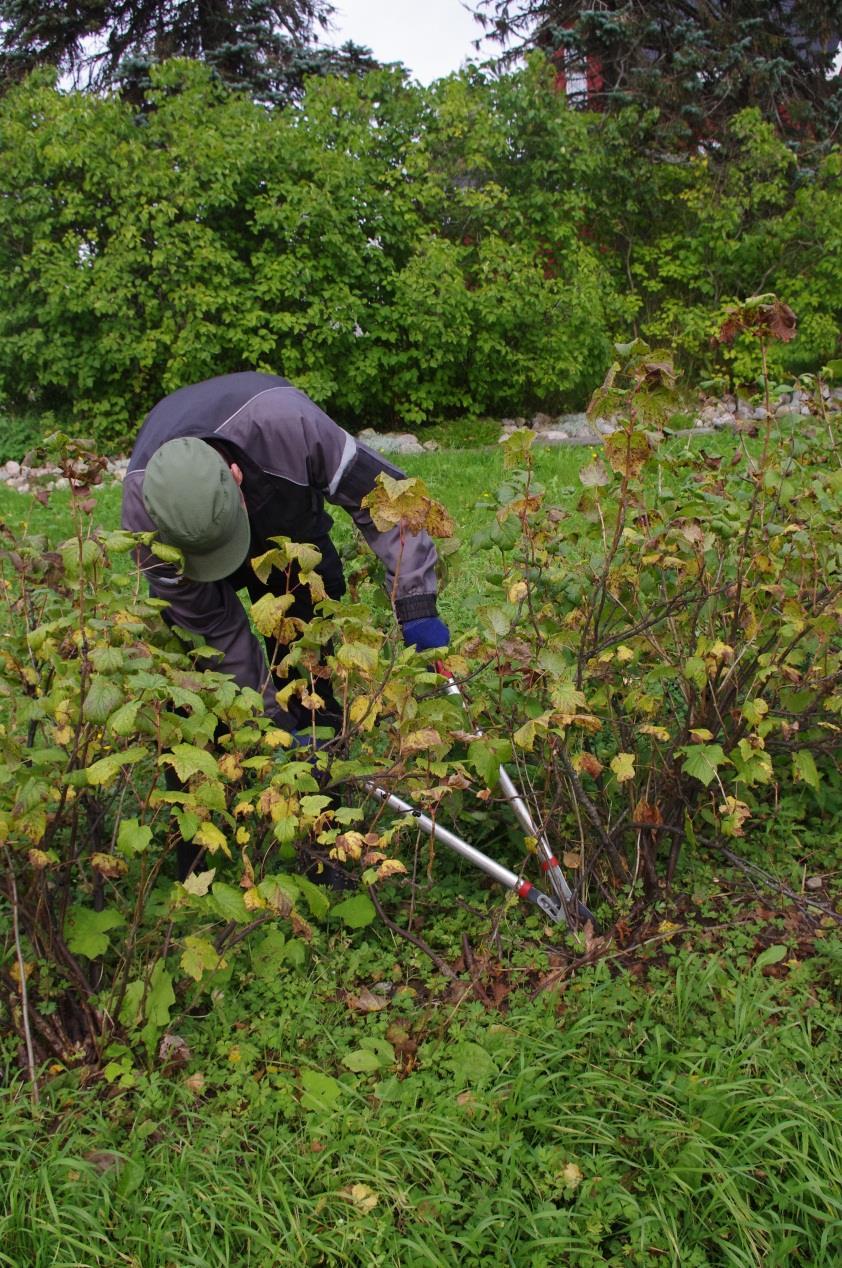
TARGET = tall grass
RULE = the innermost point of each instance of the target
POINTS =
(691, 1120)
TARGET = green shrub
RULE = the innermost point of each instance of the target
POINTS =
(666, 646)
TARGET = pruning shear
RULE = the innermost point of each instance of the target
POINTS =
(562, 906)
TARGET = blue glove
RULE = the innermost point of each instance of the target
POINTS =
(426, 633)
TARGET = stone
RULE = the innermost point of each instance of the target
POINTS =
(391, 442)
(541, 422)
(814, 882)
(552, 436)
(12, 467)
(575, 425)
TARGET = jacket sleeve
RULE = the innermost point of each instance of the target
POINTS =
(345, 471)
(211, 610)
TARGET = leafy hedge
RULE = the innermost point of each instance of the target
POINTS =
(401, 253)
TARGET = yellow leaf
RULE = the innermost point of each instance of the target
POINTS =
(518, 591)
(624, 654)
(722, 651)
(348, 845)
(391, 867)
(211, 838)
(198, 883)
(570, 859)
(657, 732)
(623, 767)
(363, 1198)
(253, 901)
(109, 865)
(572, 1176)
(701, 733)
(275, 738)
(420, 741)
(364, 711)
(243, 836)
(230, 767)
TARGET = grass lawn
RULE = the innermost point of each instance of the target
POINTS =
(670, 1098)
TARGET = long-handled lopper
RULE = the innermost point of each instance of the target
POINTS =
(562, 906)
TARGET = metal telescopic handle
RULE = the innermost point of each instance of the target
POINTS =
(503, 875)
(550, 863)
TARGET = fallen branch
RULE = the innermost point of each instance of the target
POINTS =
(769, 881)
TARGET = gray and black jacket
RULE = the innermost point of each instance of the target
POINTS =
(293, 457)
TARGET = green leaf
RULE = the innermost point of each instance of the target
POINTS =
(200, 956)
(472, 1065)
(361, 1061)
(187, 760)
(356, 912)
(103, 697)
(122, 721)
(160, 997)
(270, 953)
(494, 620)
(188, 823)
(317, 900)
(566, 698)
(100, 774)
(358, 656)
(228, 901)
(321, 1092)
(486, 756)
(86, 931)
(130, 1009)
(695, 671)
(804, 768)
(133, 837)
(348, 814)
(772, 955)
(702, 762)
(107, 660)
(79, 557)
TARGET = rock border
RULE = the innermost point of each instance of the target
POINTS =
(712, 415)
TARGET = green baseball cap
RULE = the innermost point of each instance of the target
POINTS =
(195, 503)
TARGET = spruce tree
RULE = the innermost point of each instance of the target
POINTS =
(698, 62)
(263, 48)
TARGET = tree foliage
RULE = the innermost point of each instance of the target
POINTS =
(697, 63)
(404, 254)
(265, 48)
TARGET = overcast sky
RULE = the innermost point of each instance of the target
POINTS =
(431, 37)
